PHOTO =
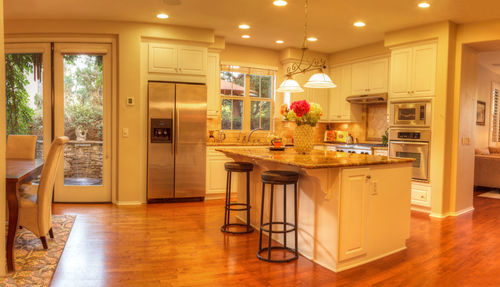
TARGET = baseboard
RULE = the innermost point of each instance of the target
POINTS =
(423, 209)
(452, 213)
(462, 211)
(339, 269)
(211, 196)
(128, 203)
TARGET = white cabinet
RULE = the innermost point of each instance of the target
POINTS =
(213, 84)
(216, 174)
(339, 109)
(381, 151)
(370, 77)
(413, 71)
(177, 59)
(421, 194)
(354, 193)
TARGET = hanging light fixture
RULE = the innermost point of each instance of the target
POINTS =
(319, 80)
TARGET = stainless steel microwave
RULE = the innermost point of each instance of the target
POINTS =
(411, 114)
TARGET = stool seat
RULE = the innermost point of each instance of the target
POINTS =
(279, 177)
(238, 166)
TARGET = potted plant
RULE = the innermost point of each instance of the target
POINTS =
(306, 116)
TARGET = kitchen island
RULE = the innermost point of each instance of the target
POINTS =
(353, 208)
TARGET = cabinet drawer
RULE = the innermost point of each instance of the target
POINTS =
(420, 194)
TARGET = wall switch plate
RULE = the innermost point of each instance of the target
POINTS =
(130, 101)
(466, 141)
(125, 132)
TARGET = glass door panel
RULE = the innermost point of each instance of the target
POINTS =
(27, 84)
(82, 113)
(83, 119)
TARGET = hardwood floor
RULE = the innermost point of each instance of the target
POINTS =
(180, 244)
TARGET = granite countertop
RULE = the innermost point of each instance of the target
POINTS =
(316, 159)
(237, 144)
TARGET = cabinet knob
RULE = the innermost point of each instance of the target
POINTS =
(368, 177)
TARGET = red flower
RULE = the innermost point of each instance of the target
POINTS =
(300, 107)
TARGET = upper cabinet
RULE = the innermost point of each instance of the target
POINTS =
(370, 77)
(413, 71)
(340, 110)
(213, 84)
(177, 59)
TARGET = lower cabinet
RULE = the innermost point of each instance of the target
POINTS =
(421, 194)
(216, 174)
(354, 192)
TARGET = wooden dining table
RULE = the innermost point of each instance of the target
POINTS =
(18, 171)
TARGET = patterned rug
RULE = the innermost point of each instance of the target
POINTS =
(35, 266)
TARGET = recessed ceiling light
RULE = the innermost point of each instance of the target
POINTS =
(162, 16)
(359, 24)
(244, 26)
(245, 36)
(280, 3)
(312, 39)
(424, 4)
(280, 41)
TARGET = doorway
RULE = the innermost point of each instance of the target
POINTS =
(65, 89)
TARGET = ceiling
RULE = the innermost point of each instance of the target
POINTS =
(329, 20)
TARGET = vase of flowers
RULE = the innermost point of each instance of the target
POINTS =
(306, 116)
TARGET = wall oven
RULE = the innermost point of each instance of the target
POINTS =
(411, 114)
(412, 143)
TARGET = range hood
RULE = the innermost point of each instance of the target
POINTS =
(368, 99)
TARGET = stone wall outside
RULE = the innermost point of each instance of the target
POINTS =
(82, 159)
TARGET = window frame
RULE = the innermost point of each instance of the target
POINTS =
(247, 101)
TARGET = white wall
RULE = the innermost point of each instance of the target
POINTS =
(485, 81)
(2, 146)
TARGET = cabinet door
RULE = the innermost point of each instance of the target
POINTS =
(377, 76)
(334, 108)
(360, 78)
(424, 70)
(192, 60)
(400, 79)
(213, 84)
(162, 58)
(353, 212)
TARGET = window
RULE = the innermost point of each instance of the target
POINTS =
(495, 120)
(247, 98)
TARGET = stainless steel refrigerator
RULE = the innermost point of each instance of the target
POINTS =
(177, 120)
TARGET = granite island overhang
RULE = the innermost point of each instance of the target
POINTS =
(352, 208)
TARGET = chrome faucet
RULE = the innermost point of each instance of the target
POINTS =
(251, 132)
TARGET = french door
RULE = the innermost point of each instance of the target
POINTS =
(82, 105)
(68, 95)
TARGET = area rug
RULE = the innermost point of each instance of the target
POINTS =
(34, 265)
(490, 194)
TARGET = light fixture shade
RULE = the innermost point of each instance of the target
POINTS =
(320, 81)
(291, 86)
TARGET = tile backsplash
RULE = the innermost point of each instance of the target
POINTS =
(371, 128)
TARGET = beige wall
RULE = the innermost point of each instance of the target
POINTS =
(2, 145)
(131, 167)
(471, 34)
(443, 106)
(485, 81)
(465, 160)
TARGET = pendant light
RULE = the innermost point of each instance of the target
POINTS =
(318, 80)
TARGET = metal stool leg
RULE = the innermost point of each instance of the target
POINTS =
(296, 223)
(270, 222)
(226, 221)
(248, 201)
(284, 215)
(262, 215)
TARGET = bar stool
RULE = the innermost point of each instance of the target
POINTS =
(230, 168)
(278, 177)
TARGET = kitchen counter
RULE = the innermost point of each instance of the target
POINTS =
(316, 159)
(352, 208)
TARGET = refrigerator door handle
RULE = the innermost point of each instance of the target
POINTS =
(176, 137)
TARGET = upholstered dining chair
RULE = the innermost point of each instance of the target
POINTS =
(20, 147)
(35, 207)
